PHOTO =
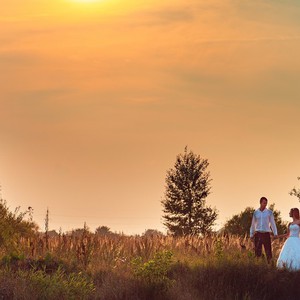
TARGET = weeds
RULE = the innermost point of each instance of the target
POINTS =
(112, 267)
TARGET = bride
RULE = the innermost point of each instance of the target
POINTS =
(289, 257)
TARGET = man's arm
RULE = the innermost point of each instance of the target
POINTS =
(252, 228)
(273, 224)
(286, 234)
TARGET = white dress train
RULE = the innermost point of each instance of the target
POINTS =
(289, 257)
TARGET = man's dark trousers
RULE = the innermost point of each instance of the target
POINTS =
(263, 239)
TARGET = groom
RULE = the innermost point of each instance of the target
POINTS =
(262, 222)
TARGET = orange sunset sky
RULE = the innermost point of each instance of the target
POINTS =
(98, 97)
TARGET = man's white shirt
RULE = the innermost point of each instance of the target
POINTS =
(263, 221)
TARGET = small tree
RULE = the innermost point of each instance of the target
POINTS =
(295, 192)
(240, 223)
(187, 187)
(153, 233)
(13, 226)
(103, 230)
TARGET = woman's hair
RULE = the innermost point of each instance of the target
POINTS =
(295, 212)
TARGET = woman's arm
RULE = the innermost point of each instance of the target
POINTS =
(286, 234)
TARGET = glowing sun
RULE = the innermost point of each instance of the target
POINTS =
(87, 1)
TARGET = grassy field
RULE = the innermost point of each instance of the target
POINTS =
(90, 266)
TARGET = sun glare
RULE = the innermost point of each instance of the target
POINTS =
(86, 1)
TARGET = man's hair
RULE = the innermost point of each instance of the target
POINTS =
(262, 199)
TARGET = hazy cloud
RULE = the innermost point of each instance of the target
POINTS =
(89, 95)
(17, 59)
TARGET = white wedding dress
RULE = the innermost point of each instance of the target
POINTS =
(289, 257)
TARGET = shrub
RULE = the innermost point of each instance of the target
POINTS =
(40, 285)
(154, 272)
(13, 227)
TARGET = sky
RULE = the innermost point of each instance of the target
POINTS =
(99, 97)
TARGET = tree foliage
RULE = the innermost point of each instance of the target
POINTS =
(103, 230)
(153, 233)
(13, 226)
(184, 204)
(240, 223)
(295, 191)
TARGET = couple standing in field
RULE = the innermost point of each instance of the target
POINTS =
(262, 223)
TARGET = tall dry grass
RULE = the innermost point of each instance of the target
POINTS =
(111, 251)
(200, 267)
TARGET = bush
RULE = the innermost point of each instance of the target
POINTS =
(154, 272)
(40, 285)
(13, 227)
